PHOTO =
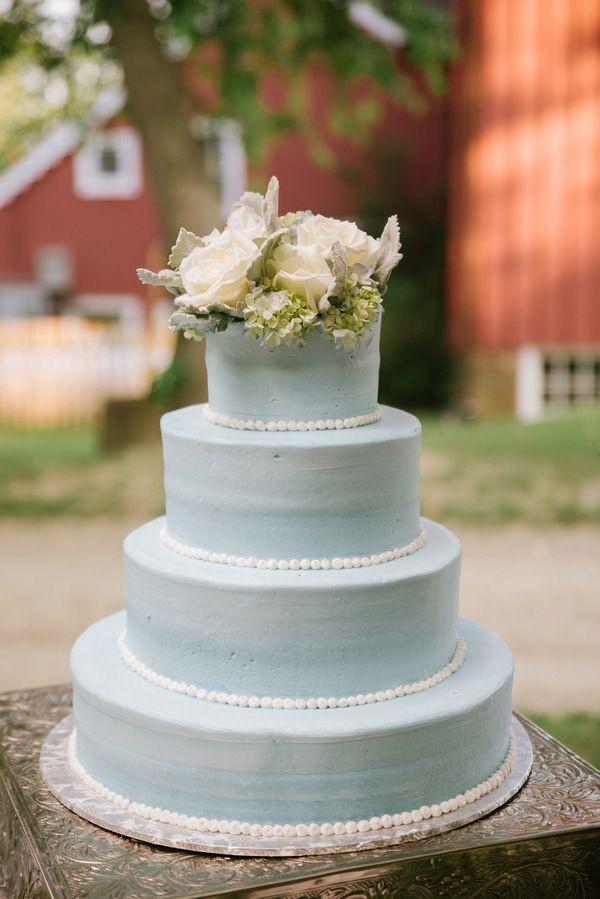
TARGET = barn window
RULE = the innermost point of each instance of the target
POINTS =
(109, 166)
(552, 378)
(224, 157)
(109, 159)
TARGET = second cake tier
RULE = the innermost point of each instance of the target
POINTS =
(311, 494)
(291, 634)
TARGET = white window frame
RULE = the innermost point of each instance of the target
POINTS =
(539, 391)
(91, 183)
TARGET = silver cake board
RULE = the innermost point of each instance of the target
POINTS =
(68, 787)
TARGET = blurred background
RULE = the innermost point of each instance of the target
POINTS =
(478, 123)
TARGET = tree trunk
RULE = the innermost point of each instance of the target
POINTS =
(175, 159)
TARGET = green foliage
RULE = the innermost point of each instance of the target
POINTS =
(234, 45)
(416, 369)
(579, 731)
(166, 385)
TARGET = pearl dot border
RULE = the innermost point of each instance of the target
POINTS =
(322, 424)
(289, 703)
(337, 563)
(339, 828)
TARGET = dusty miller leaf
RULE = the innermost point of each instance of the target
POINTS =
(195, 326)
(389, 251)
(183, 246)
(271, 205)
(164, 278)
(257, 271)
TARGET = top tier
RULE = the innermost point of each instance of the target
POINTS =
(316, 381)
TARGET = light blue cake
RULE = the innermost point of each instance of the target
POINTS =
(291, 661)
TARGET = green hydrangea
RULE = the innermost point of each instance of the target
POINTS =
(352, 313)
(278, 316)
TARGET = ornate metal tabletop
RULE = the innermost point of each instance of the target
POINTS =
(545, 842)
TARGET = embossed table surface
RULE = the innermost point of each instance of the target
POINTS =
(544, 842)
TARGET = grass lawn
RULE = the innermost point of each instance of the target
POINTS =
(480, 472)
(578, 730)
(494, 472)
(63, 471)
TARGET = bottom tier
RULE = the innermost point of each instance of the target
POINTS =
(285, 767)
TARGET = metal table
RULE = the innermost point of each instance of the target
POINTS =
(544, 843)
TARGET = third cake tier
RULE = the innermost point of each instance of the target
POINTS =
(292, 634)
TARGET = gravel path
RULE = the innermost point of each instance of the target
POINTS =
(538, 588)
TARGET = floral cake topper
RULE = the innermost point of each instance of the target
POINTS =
(280, 277)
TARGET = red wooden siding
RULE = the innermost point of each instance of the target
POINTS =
(108, 238)
(524, 252)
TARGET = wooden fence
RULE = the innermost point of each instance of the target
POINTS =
(61, 371)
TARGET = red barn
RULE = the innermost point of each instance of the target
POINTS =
(524, 255)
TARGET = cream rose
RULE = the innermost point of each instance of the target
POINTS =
(216, 274)
(301, 270)
(248, 222)
(324, 232)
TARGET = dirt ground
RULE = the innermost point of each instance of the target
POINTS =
(538, 588)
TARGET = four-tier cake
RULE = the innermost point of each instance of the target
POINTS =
(290, 661)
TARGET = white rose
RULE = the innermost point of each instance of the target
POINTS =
(301, 270)
(249, 222)
(324, 232)
(217, 273)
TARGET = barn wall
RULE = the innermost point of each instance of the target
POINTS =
(108, 238)
(417, 140)
(524, 260)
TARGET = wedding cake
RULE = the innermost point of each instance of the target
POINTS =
(290, 662)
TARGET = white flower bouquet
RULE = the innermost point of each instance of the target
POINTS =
(280, 277)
